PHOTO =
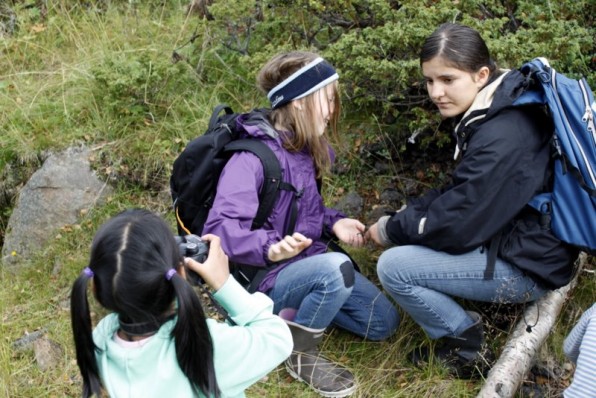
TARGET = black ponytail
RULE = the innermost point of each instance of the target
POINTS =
(192, 336)
(83, 339)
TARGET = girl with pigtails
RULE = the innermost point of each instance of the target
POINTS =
(157, 341)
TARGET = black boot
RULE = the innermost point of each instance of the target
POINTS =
(465, 356)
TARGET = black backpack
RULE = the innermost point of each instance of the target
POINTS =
(197, 169)
(196, 172)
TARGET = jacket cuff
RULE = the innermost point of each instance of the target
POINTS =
(382, 231)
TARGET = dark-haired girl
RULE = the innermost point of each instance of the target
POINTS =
(157, 342)
(474, 238)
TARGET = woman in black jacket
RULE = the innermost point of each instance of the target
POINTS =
(475, 238)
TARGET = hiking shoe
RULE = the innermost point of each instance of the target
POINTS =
(465, 356)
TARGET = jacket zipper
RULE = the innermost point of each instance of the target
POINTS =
(588, 116)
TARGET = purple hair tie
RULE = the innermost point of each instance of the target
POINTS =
(88, 272)
(170, 273)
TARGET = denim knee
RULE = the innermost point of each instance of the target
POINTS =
(388, 266)
(339, 267)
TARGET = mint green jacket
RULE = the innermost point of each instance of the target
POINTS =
(243, 353)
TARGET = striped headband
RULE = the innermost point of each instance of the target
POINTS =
(304, 81)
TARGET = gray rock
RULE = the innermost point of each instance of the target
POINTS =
(391, 196)
(351, 204)
(55, 196)
(47, 353)
(25, 342)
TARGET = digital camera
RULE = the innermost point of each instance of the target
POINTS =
(193, 247)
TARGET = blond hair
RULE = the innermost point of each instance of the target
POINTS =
(300, 124)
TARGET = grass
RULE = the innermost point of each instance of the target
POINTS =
(37, 298)
(104, 78)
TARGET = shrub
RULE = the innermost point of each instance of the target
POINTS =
(375, 43)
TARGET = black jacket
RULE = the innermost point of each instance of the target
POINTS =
(506, 161)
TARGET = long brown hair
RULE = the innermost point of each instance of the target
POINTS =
(300, 124)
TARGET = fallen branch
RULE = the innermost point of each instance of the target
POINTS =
(516, 359)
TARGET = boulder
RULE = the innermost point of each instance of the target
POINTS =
(56, 195)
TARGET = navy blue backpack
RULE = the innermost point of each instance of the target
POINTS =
(571, 206)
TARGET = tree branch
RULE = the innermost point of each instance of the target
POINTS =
(516, 359)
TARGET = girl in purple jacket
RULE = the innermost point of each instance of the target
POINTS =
(311, 287)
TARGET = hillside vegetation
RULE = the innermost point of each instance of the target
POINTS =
(136, 80)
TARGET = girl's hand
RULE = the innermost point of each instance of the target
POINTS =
(215, 270)
(350, 231)
(288, 247)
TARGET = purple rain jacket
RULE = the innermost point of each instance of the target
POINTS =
(236, 203)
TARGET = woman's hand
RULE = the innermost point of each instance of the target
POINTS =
(288, 247)
(350, 231)
(215, 270)
(373, 234)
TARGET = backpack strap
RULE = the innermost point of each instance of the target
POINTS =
(491, 257)
(249, 276)
(294, 208)
(272, 181)
(214, 120)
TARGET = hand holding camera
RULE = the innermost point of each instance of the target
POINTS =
(205, 260)
(193, 247)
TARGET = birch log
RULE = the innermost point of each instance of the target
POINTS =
(516, 359)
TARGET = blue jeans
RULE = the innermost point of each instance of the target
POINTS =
(323, 294)
(423, 281)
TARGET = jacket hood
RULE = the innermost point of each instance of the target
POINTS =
(256, 124)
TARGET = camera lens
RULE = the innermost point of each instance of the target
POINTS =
(191, 248)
